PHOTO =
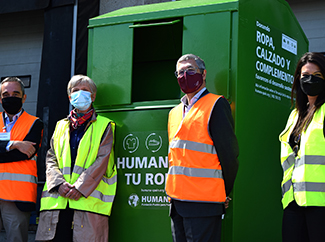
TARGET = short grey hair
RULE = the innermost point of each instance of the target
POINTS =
(77, 79)
(200, 63)
(13, 79)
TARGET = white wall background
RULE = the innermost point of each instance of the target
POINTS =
(311, 16)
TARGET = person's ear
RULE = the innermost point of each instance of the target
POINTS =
(24, 98)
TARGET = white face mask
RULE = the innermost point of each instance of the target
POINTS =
(81, 100)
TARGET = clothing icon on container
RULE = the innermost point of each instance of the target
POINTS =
(131, 143)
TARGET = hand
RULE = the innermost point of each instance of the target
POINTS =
(25, 147)
(64, 188)
(74, 194)
(228, 199)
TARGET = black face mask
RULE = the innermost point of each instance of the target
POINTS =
(312, 85)
(12, 105)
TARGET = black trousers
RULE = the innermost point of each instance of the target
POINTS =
(303, 224)
(195, 229)
(64, 231)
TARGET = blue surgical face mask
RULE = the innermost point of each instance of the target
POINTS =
(81, 100)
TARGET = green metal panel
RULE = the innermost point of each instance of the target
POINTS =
(209, 35)
(140, 211)
(163, 10)
(110, 63)
(262, 107)
(132, 55)
(227, 227)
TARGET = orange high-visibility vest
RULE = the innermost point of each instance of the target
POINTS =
(18, 180)
(194, 169)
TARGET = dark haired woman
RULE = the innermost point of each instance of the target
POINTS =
(303, 154)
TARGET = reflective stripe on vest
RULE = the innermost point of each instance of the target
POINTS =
(286, 186)
(18, 177)
(195, 172)
(290, 161)
(18, 180)
(190, 145)
(101, 199)
(304, 175)
(95, 193)
(309, 187)
(66, 170)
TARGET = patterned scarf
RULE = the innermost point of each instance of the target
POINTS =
(77, 119)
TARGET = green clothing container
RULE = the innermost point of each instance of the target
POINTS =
(251, 48)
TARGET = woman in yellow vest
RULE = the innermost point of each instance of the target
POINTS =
(80, 173)
(303, 154)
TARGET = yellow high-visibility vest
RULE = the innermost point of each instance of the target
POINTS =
(304, 175)
(101, 199)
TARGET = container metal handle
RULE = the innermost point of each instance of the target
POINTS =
(154, 24)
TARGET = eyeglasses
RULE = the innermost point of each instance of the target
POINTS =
(190, 71)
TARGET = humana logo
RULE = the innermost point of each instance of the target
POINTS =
(133, 200)
(154, 199)
(148, 201)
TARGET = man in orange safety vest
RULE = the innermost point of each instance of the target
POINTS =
(202, 155)
(20, 137)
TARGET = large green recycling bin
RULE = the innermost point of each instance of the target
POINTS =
(251, 48)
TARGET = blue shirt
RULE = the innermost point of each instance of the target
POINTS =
(9, 124)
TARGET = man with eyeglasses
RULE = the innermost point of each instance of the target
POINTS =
(203, 153)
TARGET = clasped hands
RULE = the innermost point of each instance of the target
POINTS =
(69, 191)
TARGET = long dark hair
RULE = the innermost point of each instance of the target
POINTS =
(305, 116)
